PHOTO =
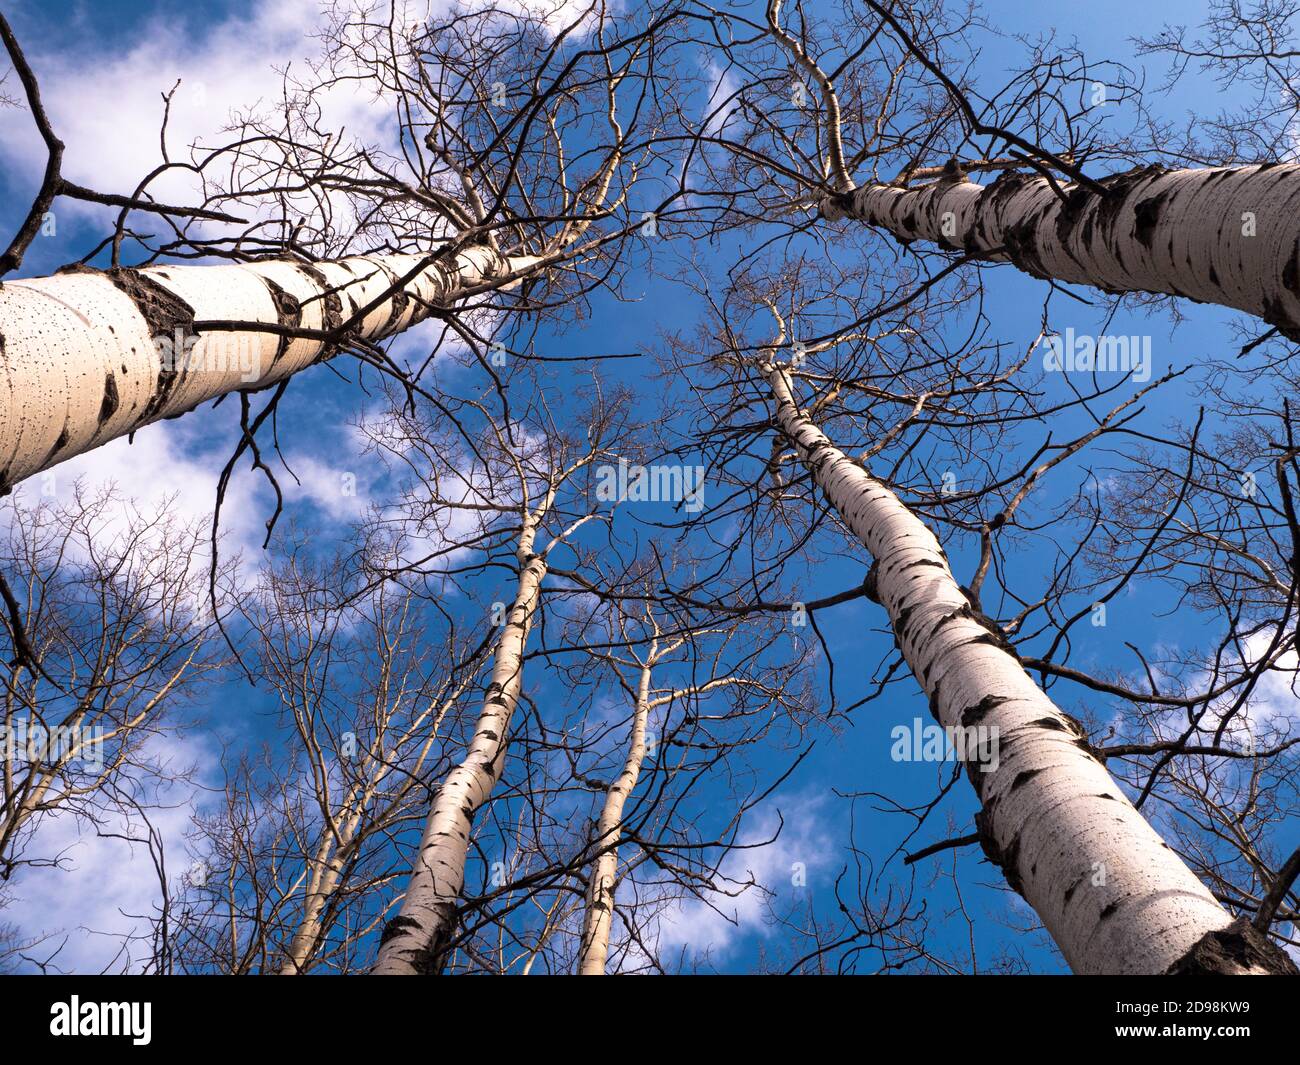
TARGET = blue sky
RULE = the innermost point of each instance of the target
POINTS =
(74, 46)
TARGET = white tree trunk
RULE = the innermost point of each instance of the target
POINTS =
(1113, 895)
(323, 873)
(321, 881)
(599, 915)
(90, 355)
(1227, 235)
(413, 941)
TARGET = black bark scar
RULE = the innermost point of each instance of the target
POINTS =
(166, 315)
(1232, 950)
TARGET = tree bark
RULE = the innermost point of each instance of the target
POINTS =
(1112, 894)
(1225, 235)
(599, 915)
(322, 880)
(91, 355)
(414, 942)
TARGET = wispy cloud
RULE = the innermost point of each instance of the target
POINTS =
(761, 874)
(89, 909)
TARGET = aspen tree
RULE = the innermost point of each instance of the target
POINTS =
(1228, 235)
(415, 940)
(92, 355)
(494, 198)
(1111, 892)
(598, 916)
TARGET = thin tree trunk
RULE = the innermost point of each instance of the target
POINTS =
(322, 881)
(414, 941)
(91, 355)
(599, 915)
(1113, 895)
(1226, 235)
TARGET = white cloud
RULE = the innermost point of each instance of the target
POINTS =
(106, 888)
(172, 465)
(723, 100)
(1274, 704)
(714, 927)
(108, 107)
(342, 491)
(101, 103)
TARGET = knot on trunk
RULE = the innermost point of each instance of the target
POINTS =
(870, 583)
(839, 201)
(1235, 950)
(1007, 860)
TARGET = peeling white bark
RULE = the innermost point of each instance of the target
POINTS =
(1113, 895)
(84, 354)
(598, 917)
(413, 941)
(1227, 235)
